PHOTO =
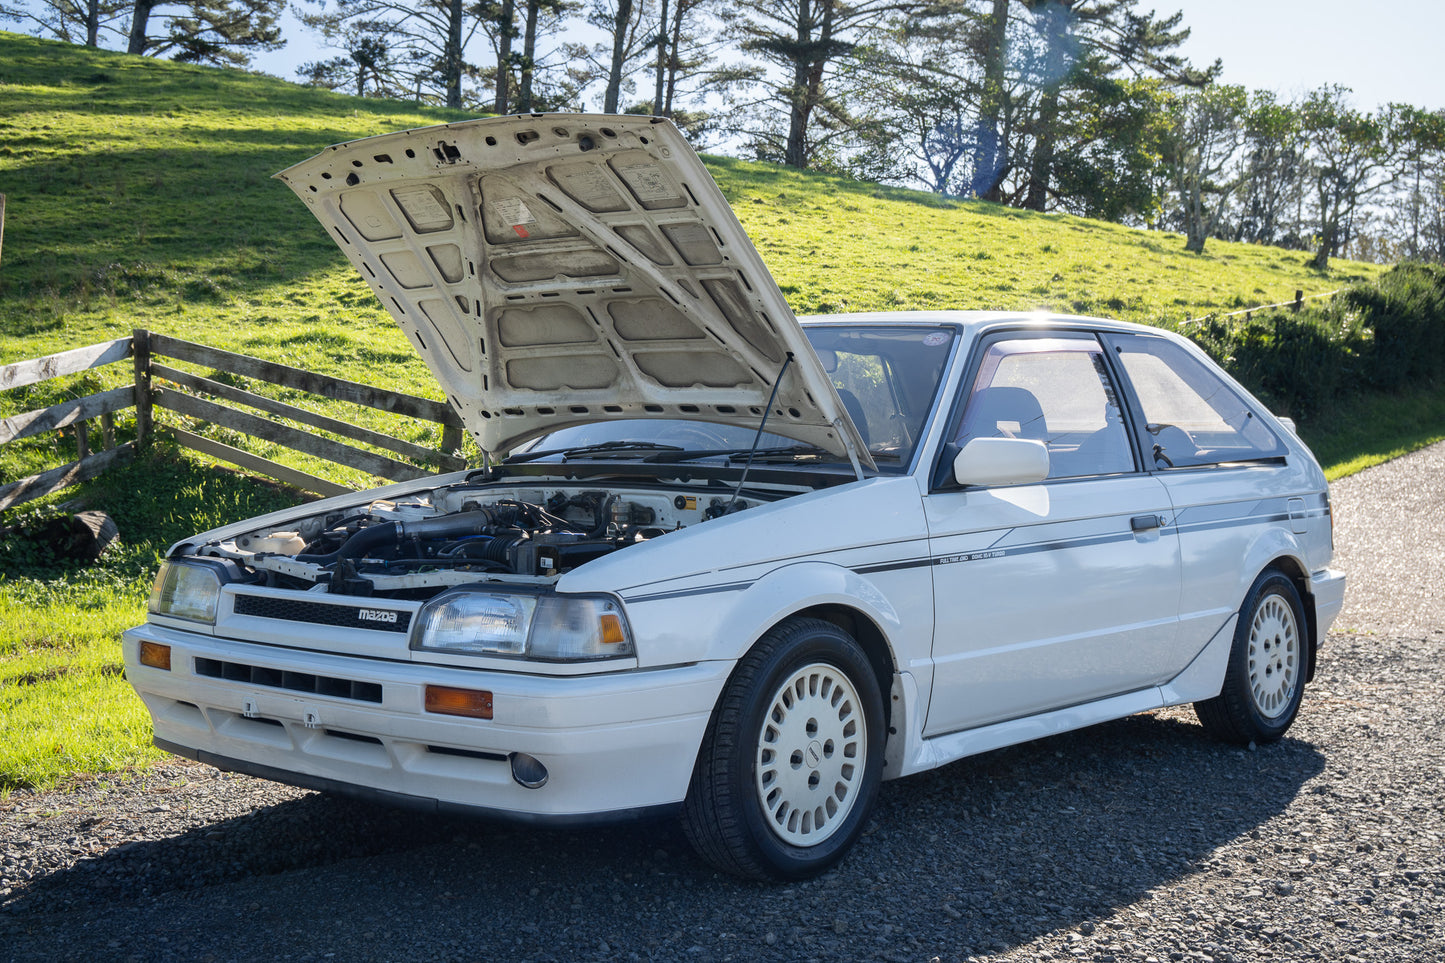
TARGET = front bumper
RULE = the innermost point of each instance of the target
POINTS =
(613, 744)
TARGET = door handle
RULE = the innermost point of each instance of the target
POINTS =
(1146, 523)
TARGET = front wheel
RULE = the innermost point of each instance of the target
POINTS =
(790, 764)
(1264, 683)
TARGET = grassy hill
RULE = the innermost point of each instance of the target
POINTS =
(140, 194)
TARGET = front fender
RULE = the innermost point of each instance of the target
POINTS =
(793, 588)
(720, 622)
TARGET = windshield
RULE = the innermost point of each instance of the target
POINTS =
(887, 378)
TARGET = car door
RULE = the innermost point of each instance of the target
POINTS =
(1058, 593)
(1224, 469)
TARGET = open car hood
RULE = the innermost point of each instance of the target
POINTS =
(559, 269)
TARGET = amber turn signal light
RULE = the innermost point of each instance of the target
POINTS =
(155, 655)
(610, 628)
(475, 703)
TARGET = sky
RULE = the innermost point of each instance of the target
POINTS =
(1384, 51)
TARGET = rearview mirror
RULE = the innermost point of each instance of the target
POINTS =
(1001, 461)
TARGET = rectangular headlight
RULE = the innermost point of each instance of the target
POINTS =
(476, 623)
(554, 628)
(186, 591)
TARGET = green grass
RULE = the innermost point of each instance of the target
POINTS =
(139, 194)
(64, 707)
(1375, 428)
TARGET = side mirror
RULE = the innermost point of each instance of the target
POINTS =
(1001, 461)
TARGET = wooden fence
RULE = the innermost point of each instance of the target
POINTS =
(154, 384)
(1248, 313)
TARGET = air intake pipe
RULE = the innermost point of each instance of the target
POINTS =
(456, 525)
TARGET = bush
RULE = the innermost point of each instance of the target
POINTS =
(1379, 336)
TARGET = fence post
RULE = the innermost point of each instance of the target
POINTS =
(451, 439)
(82, 440)
(141, 354)
(1299, 300)
(107, 431)
(2, 222)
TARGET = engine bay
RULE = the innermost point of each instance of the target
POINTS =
(413, 547)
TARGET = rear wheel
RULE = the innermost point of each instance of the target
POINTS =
(790, 765)
(1264, 683)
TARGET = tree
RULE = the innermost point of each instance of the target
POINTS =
(71, 21)
(686, 49)
(1076, 38)
(1421, 140)
(1274, 167)
(1350, 159)
(630, 32)
(1205, 133)
(990, 145)
(222, 32)
(367, 59)
(540, 17)
(802, 41)
(919, 85)
(429, 37)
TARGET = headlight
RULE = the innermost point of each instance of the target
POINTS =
(554, 628)
(186, 591)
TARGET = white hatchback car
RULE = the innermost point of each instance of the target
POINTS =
(735, 567)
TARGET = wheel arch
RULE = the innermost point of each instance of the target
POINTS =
(1294, 570)
(869, 635)
(830, 593)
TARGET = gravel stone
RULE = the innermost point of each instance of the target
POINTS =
(1137, 841)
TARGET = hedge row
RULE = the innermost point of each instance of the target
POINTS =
(1374, 337)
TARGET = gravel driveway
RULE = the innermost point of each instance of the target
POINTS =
(1137, 840)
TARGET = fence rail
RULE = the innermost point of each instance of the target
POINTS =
(1299, 299)
(155, 384)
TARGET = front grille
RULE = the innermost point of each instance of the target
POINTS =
(373, 617)
(294, 681)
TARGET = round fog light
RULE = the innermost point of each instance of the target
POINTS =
(528, 771)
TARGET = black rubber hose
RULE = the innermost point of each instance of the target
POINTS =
(390, 533)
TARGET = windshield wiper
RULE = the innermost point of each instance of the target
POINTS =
(602, 448)
(791, 451)
(729, 453)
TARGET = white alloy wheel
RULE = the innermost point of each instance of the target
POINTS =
(1264, 683)
(1274, 656)
(811, 755)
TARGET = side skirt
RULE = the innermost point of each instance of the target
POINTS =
(1200, 680)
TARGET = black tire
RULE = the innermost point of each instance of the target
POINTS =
(1265, 681)
(791, 761)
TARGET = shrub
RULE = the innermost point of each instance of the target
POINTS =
(1378, 336)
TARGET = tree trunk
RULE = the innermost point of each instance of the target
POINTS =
(1057, 28)
(673, 64)
(1321, 260)
(452, 61)
(619, 55)
(987, 169)
(1041, 165)
(139, 20)
(807, 84)
(661, 60)
(529, 56)
(92, 23)
(501, 104)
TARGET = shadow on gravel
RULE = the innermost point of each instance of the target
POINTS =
(974, 858)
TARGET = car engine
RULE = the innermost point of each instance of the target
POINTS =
(412, 548)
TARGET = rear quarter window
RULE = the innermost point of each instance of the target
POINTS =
(1192, 415)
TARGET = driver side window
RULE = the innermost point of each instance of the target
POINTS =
(1054, 390)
